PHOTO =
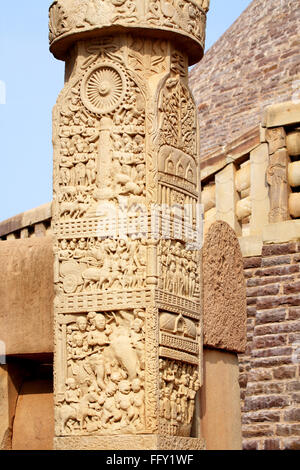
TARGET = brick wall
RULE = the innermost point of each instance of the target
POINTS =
(254, 64)
(269, 370)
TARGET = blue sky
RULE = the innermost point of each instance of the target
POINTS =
(32, 79)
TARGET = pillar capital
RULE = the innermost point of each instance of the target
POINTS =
(182, 20)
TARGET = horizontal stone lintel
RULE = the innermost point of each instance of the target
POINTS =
(282, 114)
(282, 232)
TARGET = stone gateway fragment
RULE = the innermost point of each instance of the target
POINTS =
(128, 356)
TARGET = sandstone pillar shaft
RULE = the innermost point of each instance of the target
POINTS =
(128, 325)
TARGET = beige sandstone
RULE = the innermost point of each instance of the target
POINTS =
(282, 232)
(128, 355)
(208, 197)
(220, 405)
(243, 208)
(246, 193)
(262, 134)
(294, 174)
(282, 114)
(210, 218)
(26, 292)
(294, 205)
(34, 418)
(224, 290)
(242, 178)
(259, 191)
(227, 197)
(125, 442)
(210, 215)
(276, 138)
(293, 143)
(277, 178)
(10, 381)
(251, 245)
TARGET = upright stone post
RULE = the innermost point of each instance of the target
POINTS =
(128, 328)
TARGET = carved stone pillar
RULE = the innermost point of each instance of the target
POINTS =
(128, 329)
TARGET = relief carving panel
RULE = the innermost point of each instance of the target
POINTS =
(102, 371)
(68, 17)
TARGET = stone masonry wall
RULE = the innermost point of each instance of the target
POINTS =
(254, 64)
(269, 370)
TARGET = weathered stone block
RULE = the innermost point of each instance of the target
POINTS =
(282, 373)
(263, 290)
(276, 260)
(262, 430)
(281, 249)
(294, 205)
(272, 444)
(270, 341)
(282, 232)
(270, 362)
(275, 138)
(277, 271)
(26, 292)
(35, 406)
(288, 430)
(224, 291)
(287, 351)
(293, 443)
(259, 403)
(252, 262)
(293, 143)
(258, 375)
(220, 407)
(292, 415)
(250, 445)
(277, 315)
(261, 417)
(282, 114)
(292, 288)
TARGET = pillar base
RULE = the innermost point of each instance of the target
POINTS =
(126, 442)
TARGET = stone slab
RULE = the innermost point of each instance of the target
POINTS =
(282, 114)
(282, 232)
(220, 401)
(26, 293)
(126, 442)
(224, 290)
(11, 377)
(251, 246)
(34, 420)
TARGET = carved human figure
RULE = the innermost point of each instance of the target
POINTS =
(138, 402)
(125, 402)
(194, 388)
(89, 407)
(167, 403)
(72, 394)
(91, 172)
(277, 178)
(110, 411)
(99, 335)
(138, 340)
